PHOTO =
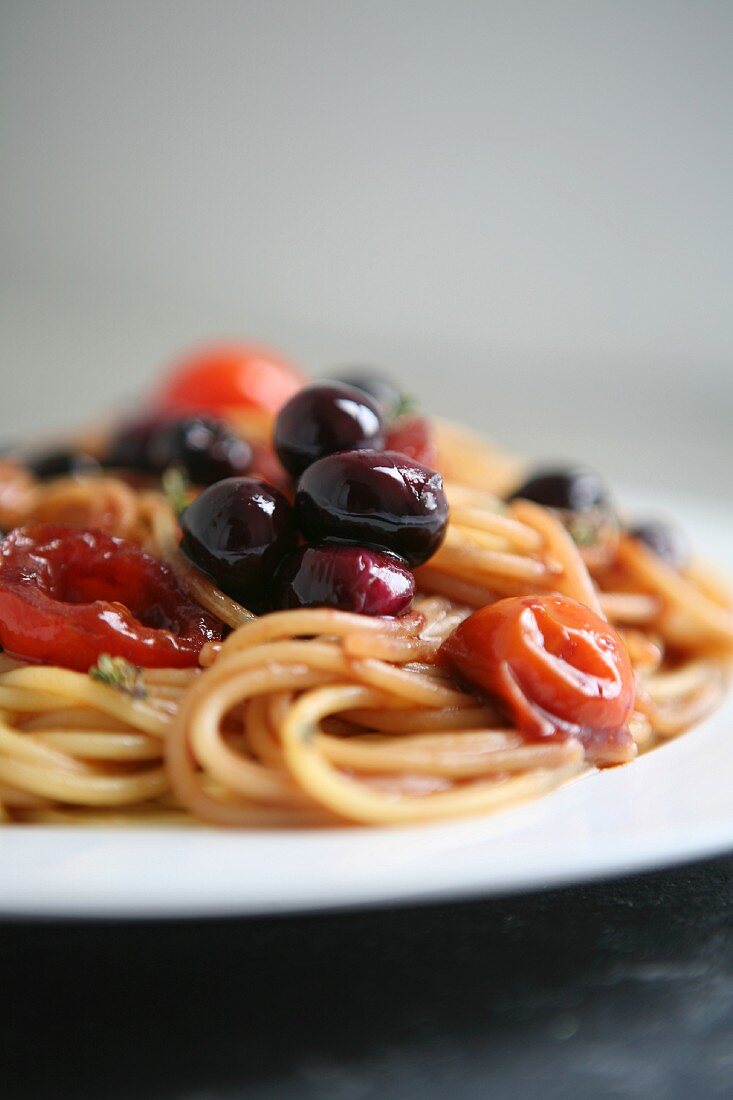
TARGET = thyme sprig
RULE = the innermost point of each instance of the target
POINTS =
(177, 488)
(407, 404)
(119, 673)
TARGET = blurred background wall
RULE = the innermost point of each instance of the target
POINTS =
(522, 209)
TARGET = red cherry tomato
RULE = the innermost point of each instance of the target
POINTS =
(267, 466)
(414, 436)
(68, 594)
(229, 378)
(556, 667)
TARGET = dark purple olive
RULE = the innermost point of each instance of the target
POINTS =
(389, 398)
(203, 446)
(573, 489)
(379, 499)
(239, 531)
(349, 578)
(668, 541)
(322, 419)
(61, 463)
(128, 448)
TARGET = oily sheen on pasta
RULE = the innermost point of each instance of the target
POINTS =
(324, 713)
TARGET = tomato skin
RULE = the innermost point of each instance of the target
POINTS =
(414, 436)
(267, 466)
(556, 667)
(68, 594)
(227, 378)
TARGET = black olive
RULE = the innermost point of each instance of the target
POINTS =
(573, 489)
(377, 499)
(323, 419)
(128, 448)
(351, 578)
(61, 463)
(389, 398)
(239, 531)
(668, 541)
(205, 448)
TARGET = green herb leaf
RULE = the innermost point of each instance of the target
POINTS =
(118, 673)
(407, 404)
(589, 527)
(583, 534)
(177, 488)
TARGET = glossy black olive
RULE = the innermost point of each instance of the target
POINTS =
(322, 419)
(239, 531)
(379, 499)
(668, 541)
(350, 578)
(573, 489)
(389, 398)
(128, 448)
(61, 463)
(204, 447)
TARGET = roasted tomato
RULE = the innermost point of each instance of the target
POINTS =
(554, 666)
(229, 378)
(68, 594)
(267, 466)
(414, 436)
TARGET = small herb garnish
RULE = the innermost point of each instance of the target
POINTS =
(583, 534)
(589, 527)
(177, 488)
(119, 673)
(407, 404)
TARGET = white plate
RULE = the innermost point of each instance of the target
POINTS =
(671, 805)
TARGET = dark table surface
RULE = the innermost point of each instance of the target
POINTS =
(619, 989)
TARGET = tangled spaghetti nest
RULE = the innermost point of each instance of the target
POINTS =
(314, 718)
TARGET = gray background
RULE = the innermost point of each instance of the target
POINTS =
(523, 210)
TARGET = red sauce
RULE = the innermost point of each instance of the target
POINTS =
(555, 667)
(69, 593)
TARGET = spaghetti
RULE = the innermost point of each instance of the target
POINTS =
(316, 716)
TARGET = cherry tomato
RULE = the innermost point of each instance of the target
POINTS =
(556, 667)
(414, 436)
(228, 378)
(267, 466)
(68, 594)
